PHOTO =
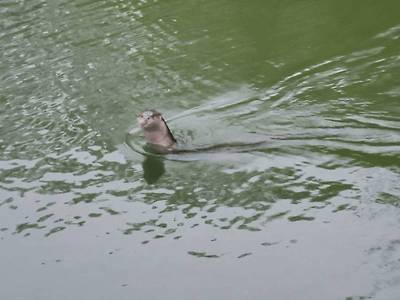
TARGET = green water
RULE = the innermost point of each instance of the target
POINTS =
(85, 215)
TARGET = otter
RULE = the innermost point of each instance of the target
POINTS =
(156, 131)
(160, 139)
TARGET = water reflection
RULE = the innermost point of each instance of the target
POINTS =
(153, 168)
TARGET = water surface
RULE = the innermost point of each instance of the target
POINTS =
(315, 215)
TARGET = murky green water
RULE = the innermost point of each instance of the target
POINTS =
(315, 215)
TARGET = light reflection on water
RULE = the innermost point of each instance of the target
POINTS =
(326, 195)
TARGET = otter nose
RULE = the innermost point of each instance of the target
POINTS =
(141, 121)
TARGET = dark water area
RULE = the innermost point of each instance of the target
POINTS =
(86, 213)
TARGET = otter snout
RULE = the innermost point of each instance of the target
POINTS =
(141, 121)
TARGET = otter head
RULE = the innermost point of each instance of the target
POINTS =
(156, 131)
(150, 120)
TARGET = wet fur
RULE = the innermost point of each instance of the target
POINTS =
(156, 131)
